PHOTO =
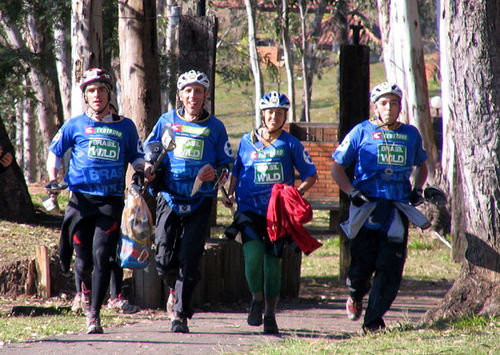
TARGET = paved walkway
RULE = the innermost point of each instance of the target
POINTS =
(220, 332)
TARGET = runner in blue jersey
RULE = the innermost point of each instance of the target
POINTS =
(384, 153)
(183, 206)
(102, 145)
(266, 156)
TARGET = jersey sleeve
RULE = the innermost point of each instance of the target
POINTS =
(238, 164)
(136, 150)
(346, 152)
(63, 140)
(302, 160)
(224, 151)
(420, 153)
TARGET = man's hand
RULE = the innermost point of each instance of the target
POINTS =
(357, 198)
(206, 173)
(416, 197)
(6, 159)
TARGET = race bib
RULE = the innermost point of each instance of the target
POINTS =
(268, 173)
(101, 148)
(189, 148)
(391, 154)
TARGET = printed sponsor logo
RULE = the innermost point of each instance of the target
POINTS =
(227, 149)
(268, 173)
(254, 155)
(307, 157)
(189, 148)
(345, 144)
(57, 136)
(391, 154)
(105, 149)
(272, 153)
(105, 131)
(395, 136)
(198, 131)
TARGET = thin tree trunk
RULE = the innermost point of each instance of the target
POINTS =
(19, 144)
(43, 87)
(254, 58)
(392, 48)
(63, 65)
(171, 50)
(288, 59)
(305, 73)
(86, 46)
(139, 63)
(29, 141)
(417, 91)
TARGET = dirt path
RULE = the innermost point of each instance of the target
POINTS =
(318, 313)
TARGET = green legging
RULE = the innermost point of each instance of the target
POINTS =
(259, 265)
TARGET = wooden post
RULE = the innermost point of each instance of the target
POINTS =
(354, 108)
(43, 271)
(148, 287)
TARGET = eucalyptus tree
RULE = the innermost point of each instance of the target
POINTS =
(470, 35)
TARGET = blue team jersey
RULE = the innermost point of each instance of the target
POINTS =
(100, 153)
(383, 159)
(259, 167)
(197, 144)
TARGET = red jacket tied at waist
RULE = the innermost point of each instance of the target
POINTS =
(286, 213)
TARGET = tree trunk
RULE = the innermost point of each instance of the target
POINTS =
(16, 201)
(254, 58)
(310, 62)
(139, 63)
(287, 50)
(29, 141)
(417, 90)
(472, 41)
(63, 65)
(305, 72)
(19, 144)
(392, 49)
(448, 161)
(43, 85)
(86, 46)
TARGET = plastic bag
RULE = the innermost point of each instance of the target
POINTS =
(134, 248)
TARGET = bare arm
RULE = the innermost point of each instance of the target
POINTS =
(340, 176)
(421, 174)
(307, 183)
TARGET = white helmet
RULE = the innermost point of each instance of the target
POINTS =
(383, 89)
(274, 100)
(192, 77)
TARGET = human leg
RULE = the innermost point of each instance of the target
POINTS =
(82, 242)
(104, 245)
(388, 274)
(363, 250)
(192, 244)
(272, 289)
(253, 252)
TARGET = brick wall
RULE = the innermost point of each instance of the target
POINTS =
(320, 140)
